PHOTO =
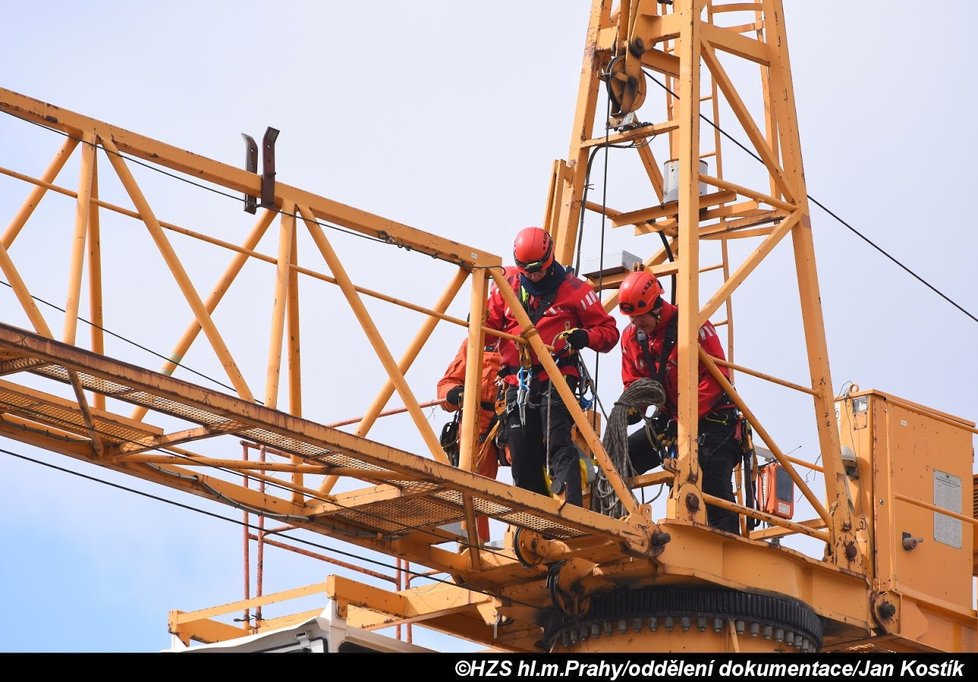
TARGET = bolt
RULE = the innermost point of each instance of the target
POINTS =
(692, 502)
(660, 538)
(886, 610)
(851, 551)
(637, 47)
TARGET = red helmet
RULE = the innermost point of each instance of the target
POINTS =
(533, 250)
(638, 293)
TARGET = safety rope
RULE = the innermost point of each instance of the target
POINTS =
(638, 396)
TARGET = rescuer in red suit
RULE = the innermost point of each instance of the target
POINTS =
(569, 316)
(648, 350)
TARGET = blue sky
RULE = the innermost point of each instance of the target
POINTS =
(447, 116)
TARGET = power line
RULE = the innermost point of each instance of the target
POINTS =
(380, 240)
(130, 341)
(271, 483)
(822, 206)
(251, 526)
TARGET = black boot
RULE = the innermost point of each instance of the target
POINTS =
(568, 483)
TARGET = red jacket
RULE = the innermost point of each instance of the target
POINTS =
(455, 376)
(634, 366)
(574, 306)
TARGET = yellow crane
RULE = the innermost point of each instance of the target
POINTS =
(895, 481)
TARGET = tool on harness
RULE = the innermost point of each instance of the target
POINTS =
(661, 432)
(522, 392)
(449, 439)
(585, 387)
(743, 434)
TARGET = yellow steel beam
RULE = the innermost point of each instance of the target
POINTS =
(83, 211)
(180, 274)
(299, 436)
(238, 180)
(685, 499)
(95, 278)
(671, 209)
(817, 505)
(374, 337)
(745, 268)
(34, 198)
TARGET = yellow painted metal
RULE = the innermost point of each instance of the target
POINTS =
(745, 268)
(83, 212)
(409, 356)
(179, 273)
(764, 435)
(23, 295)
(221, 288)
(95, 278)
(404, 514)
(239, 180)
(373, 335)
(565, 231)
(913, 496)
(33, 199)
(293, 350)
(280, 302)
(685, 500)
(766, 377)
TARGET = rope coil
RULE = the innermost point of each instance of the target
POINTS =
(638, 396)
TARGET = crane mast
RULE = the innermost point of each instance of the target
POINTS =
(667, 89)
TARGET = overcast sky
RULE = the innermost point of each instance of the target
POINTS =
(445, 116)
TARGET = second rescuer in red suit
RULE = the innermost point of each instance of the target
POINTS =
(450, 390)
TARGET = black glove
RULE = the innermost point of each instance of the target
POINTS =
(664, 426)
(633, 415)
(577, 339)
(454, 396)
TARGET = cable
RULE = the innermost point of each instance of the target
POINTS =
(234, 503)
(830, 212)
(251, 526)
(130, 341)
(382, 238)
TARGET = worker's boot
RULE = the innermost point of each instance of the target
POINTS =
(567, 485)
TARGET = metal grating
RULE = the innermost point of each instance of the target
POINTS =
(426, 502)
(67, 418)
(526, 519)
(402, 515)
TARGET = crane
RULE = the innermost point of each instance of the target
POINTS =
(560, 581)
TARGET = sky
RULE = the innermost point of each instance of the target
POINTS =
(445, 116)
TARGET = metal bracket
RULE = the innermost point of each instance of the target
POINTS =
(251, 165)
(268, 167)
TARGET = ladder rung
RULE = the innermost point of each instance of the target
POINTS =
(738, 7)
